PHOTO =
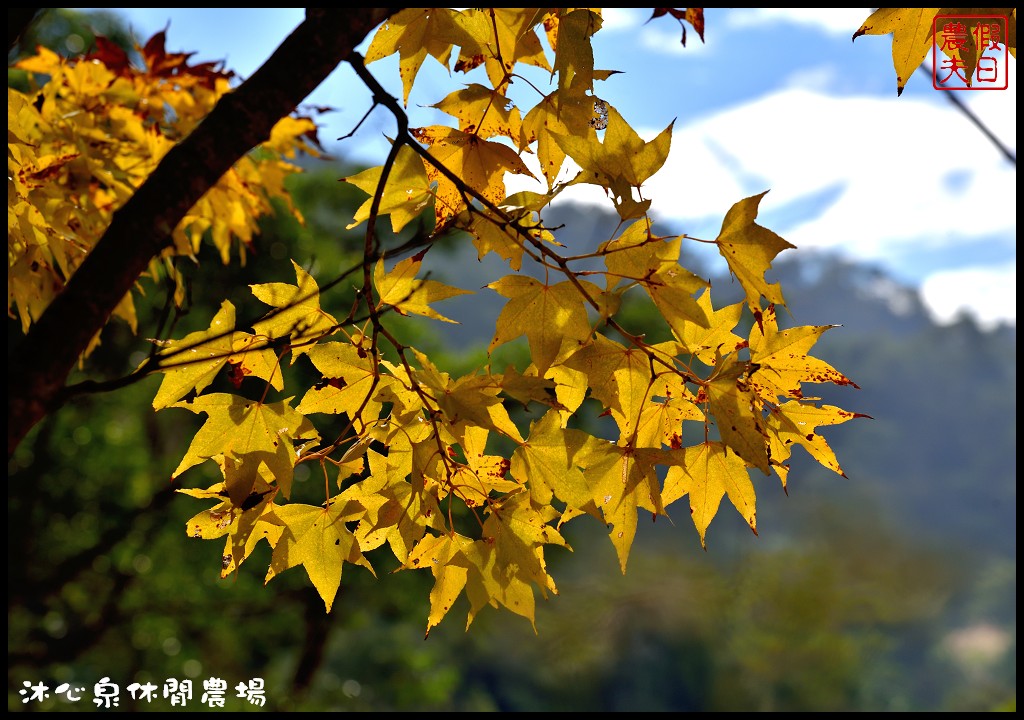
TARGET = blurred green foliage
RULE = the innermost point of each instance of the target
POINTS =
(65, 31)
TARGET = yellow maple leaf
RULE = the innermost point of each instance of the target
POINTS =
(213, 522)
(490, 471)
(286, 137)
(253, 526)
(571, 110)
(620, 377)
(546, 463)
(749, 249)
(718, 338)
(298, 316)
(499, 38)
(527, 388)
(496, 237)
(708, 472)
(570, 31)
(401, 289)
(506, 234)
(478, 487)
(243, 474)
(623, 479)
(394, 512)
(737, 411)
(443, 555)
(238, 426)
(571, 388)
(405, 195)
(351, 382)
(511, 557)
(414, 33)
(397, 389)
(638, 256)
(499, 569)
(783, 362)
(620, 163)
(661, 419)
(317, 539)
(480, 164)
(470, 400)
(244, 522)
(483, 111)
(194, 361)
(520, 528)
(549, 316)
(254, 358)
(911, 29)
(561, 113)
(795, 422)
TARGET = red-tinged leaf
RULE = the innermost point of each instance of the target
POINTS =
(694, 16)
(111, 54)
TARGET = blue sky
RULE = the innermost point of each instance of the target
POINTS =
(776, 99)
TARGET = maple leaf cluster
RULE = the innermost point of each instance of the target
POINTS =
(84, 141)
(473, 477)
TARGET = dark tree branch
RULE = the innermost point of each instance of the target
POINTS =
(142, 228)
(18, 20)
(318, 629)
(959, 104)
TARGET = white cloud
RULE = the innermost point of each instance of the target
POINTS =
(896, 161)
(836, 21)
(666, 38)
(822, 78)
(988, 293)
(613, 19)
(998, 108)
(906, 178)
